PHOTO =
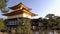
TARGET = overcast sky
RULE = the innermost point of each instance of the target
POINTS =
(40, 7)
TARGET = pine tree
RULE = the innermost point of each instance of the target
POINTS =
(3, 4)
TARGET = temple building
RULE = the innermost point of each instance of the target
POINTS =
(19, 11)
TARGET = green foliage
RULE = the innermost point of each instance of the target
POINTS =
(53, 22)
(5, 10)
(25, 28)
(3, 4)
(50, 16)
(2, 25)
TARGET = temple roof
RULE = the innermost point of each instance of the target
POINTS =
(21, 9)
(19, 6)
(19, 12)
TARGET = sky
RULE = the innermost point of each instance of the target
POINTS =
(39, 7)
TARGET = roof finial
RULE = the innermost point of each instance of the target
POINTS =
(20, 2)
